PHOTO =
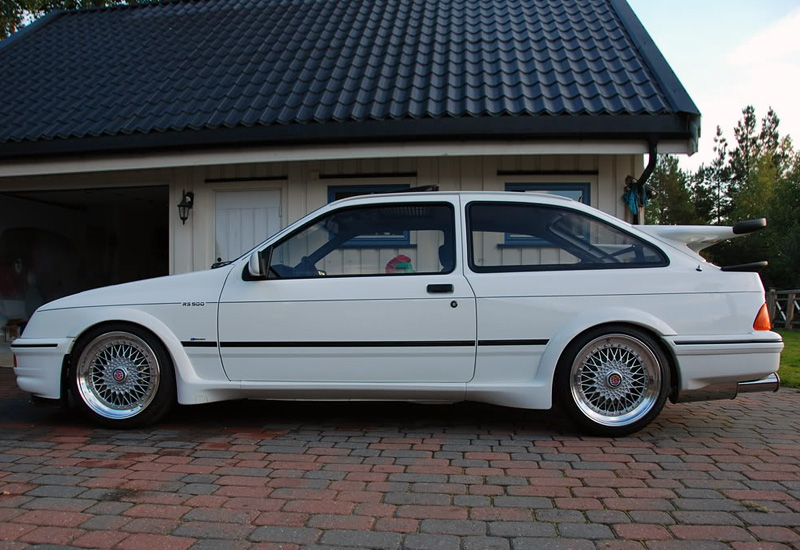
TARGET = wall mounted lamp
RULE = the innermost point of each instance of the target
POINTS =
(186, 204)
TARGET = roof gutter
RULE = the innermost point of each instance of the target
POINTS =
(636, 191)
(652, 149)
(478, 129)
(67, 164)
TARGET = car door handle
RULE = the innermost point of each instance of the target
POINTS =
(440, 289)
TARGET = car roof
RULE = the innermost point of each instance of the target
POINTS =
(498, 196)
(538, 197)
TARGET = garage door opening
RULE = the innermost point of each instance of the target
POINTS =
(56, 243)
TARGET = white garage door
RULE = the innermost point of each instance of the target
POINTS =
(244, 219)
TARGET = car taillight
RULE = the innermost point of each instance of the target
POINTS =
(762, 321)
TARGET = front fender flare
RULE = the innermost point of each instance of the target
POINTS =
(83, 319)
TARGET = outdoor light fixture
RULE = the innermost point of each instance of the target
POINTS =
(185, 205)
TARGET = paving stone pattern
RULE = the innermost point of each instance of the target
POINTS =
(400, 476)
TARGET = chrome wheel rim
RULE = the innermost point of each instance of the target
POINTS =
(615, 380)
(118, 375)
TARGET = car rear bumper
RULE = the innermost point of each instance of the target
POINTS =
(730, 390)
(723, 370)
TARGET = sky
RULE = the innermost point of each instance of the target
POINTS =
(729, 54)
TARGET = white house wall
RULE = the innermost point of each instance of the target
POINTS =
(303, 185)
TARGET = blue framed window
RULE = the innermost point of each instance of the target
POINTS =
(577, 191)
(378, 240)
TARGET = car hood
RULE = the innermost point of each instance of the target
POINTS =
(199, 286)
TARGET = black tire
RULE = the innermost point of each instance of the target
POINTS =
(121, 376)
(613, 380)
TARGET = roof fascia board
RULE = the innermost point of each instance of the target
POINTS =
(659, 68)
(162, 160)
(564, 127)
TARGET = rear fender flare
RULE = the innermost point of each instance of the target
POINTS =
(590, 319)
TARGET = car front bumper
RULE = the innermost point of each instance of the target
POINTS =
(39, 365)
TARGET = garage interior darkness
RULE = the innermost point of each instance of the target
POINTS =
(56, 243)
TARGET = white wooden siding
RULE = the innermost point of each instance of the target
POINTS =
(243, 219)
(303, 185)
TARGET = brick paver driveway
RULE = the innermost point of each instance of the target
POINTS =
(400, 476)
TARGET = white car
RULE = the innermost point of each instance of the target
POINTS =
(516, 299)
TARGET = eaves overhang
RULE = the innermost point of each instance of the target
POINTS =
(645, 127)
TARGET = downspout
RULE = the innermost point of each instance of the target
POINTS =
(652, 147)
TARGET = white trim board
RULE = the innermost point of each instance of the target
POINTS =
(83, 164)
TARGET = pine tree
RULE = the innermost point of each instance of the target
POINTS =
(673, 202)
(763, 181)
(14, 14)
(711, 184)
(784, 242)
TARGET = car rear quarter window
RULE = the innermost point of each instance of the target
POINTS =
(555, 238)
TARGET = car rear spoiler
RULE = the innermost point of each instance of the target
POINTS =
(698, 237)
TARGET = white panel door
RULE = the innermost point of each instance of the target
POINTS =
(244, 219)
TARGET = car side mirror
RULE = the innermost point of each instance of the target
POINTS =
(256, 265)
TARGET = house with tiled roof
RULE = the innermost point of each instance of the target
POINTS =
(256, 112)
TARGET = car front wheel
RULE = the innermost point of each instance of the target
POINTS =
(122, 376)
(613, 381)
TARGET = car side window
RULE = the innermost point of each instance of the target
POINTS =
(565, 239)
(324, 247)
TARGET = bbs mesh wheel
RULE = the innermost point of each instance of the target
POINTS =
(122, 376)
(613, 380)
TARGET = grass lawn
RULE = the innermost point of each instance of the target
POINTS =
(790, 359)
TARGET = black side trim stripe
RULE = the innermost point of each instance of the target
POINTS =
(199, 344)
(719, 342)
(20, 346)
(512, 342)
(378, 344)
(421, 344)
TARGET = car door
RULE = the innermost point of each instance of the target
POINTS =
(371, 292)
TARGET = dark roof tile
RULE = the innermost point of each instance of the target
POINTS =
(208, 64)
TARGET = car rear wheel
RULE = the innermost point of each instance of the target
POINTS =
(613, 381)
(122, 376)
